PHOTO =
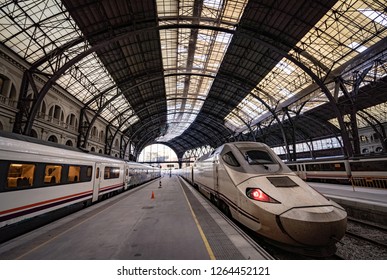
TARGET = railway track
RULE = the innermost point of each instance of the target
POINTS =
(363, 241)
(375, 234)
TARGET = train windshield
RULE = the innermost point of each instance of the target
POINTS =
(259, 157)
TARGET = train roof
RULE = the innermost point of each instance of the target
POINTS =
(33, 140)
(29, 139)
(239, 144)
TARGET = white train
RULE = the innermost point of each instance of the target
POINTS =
(37, 179)
(359, 171)
(248, 181)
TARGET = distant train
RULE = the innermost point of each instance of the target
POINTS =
(249, 182)
(361, 171)
(37, 179)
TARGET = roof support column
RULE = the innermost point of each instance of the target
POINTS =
(293, 155)
(25, 104)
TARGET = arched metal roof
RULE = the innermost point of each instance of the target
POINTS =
(193, 72)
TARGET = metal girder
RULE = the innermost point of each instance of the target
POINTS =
(253, 36)
(381, 132)
(139, 129)
(83, 142)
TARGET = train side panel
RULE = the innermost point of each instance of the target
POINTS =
(33, 184)
(204, 176)
(112, 178)
(36, 179)
(227, 189)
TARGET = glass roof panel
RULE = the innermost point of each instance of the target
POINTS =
(345, 31)
(33, 29)
(198, 56)
(379, 112)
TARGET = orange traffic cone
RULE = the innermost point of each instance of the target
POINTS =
(153, 195)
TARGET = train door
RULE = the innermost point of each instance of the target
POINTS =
(301, 172)
(97, 181)
(126, 176)
(216, 174)
(191, 171)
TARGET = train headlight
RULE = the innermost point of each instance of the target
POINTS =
(259, 195)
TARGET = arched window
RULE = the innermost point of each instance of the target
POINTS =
(1, 126)
(53, 138)
(69, 143)
(12, 93)
(72, 121)
(365, 151)
(33, 133)
(157, 153)
(43, 108)
(100, 151)
(56, 113)
(7, 90)
(94, 131)
(92, 149)
(363, 138)
(101, 136)
(3, 82)
(116, 143)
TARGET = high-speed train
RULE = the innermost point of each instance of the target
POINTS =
(248, 181)
(39, 179)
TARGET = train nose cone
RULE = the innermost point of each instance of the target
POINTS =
(314, 226)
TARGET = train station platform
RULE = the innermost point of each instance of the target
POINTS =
(369, 204)
(162, 220)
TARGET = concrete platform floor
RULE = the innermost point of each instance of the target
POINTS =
(150, 222)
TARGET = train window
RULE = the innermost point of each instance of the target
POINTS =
(293, 167)
(333, 166)
(313, 167)
(97, 173)
(111, 172)
(74, 174)
(258, 157)
(106, 173)
(230, 159)
(52, 174)
(376, 166)
(89, 173)
(20, 175)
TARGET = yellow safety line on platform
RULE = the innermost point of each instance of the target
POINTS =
(206, 244)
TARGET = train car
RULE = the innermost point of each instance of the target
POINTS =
(359, 171)
(140, 173)
(38, 179)
(324, 170)
(248, 181)
(369, 172)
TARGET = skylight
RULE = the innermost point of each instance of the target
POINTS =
(33, 29)
(357, 47)
(345, 31)
(287, 68)
(375, 16)
(195, 55)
